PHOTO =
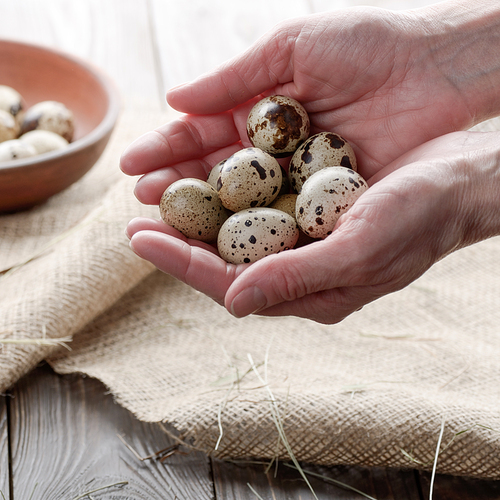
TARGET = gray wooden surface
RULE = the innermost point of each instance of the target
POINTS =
(64, 437)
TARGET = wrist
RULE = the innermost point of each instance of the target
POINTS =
(480, 181)
(464, 41)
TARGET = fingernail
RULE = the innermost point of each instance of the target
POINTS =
(248, 301)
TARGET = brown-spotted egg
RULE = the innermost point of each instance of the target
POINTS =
(325, 149)
(9, 128)
(12, 102)
(325, 196)
(193, 207)
(214, 173)
(44, 141)
(287, 203)
(249, 178)
(15, 149)
(278, 125)
(251, 234)
(49, 115)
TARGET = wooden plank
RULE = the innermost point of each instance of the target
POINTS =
(196, 36)
(459, 488)
(65, 442)
(113, 34)
(236, 481)
(4, 450)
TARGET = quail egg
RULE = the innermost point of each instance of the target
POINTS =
(251, 234)
(249, 178)
(287, 203)
(15, 149)
(213, 175)
(49, 115)
(11, 101)
(325, 149)
(193, 207)
(44, 140)
(9, 129)
(285, 183)
(325, 196)
(278, 125)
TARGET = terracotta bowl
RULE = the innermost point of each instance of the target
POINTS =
(41, 74)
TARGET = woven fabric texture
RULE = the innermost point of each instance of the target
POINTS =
(376, 389)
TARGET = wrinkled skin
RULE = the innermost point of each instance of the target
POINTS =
(373, 77)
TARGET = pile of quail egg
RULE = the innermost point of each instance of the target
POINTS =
(43, 127)
(251, 206)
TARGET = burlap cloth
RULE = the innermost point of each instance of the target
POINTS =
(376, 389)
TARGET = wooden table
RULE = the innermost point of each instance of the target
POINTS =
(64, 437)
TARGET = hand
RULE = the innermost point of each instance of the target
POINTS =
(370, 75)
(435, 199)
(387, 84)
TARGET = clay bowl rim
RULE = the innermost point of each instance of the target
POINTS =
(105, 126)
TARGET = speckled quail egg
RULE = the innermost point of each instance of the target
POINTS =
(44, 140)
(325, 149)
(278, 125)
(213, 175)
(49, 115)
(325, 196)
(15, 149)
(9, 129)
(287, 203)
(249, 178)
(12, 102)
(251, 234)
(193, 207)
(285, 183)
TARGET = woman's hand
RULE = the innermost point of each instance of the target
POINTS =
(433, 200)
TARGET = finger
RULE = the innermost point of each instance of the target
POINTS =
(292, 275)
(264, 65)
(151, 186)
(180, 140)
(144, 224)
(190, 261)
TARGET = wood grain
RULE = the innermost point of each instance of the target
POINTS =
(65, 442)
(236, 481)
(113, 34)
(196, 36)
(454, 488)
(4, 450)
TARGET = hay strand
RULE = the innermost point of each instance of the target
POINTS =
(335, 481)
(39, 341)
(276, 417)
(88, 493)
(434, 467)
(254, 492)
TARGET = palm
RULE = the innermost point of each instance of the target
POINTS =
(370, 90)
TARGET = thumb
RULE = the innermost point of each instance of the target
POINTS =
(264, 65)
(293, 274)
